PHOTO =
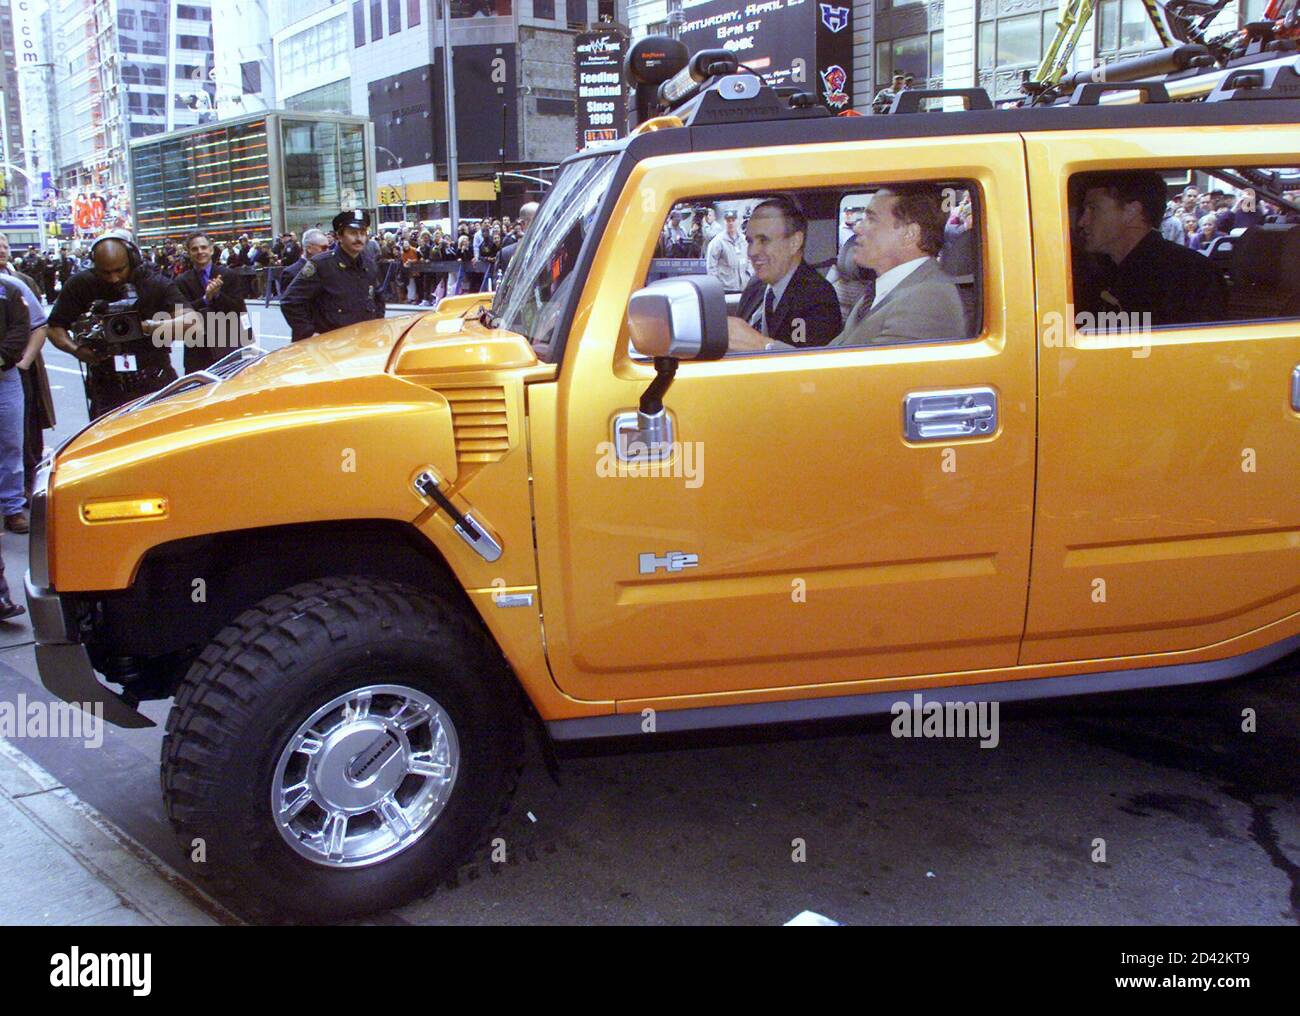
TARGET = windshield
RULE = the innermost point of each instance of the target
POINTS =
(532, 294)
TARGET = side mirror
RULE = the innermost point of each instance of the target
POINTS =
(683, 318)
(673, 319)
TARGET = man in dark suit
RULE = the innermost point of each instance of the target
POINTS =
(287, 249)
(508, 250)
(216, 292)
(786, 300)
(314, 242)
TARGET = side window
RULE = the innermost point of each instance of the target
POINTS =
(867, 266)
(1178, 247)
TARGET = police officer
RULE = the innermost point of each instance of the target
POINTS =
(129, 370)
(337, 288)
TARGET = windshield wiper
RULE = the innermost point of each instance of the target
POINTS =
(487, 319)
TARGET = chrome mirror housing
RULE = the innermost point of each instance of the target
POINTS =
(682, 318)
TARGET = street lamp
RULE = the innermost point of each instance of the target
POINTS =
(401, 177)
(449, 112)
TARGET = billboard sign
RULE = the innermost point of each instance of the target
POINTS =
(598, 83)
(807, 44)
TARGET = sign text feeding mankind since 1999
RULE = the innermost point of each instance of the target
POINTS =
(598, 72)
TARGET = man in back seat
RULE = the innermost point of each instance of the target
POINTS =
(1140, 271)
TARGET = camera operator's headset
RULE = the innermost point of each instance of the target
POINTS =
(134, 259)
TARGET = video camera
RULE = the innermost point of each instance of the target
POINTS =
(112, 324)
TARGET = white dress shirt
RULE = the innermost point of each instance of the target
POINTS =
(888, 281)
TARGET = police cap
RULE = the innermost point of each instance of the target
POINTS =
(357, 218)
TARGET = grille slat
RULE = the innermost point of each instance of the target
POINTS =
(480, 423)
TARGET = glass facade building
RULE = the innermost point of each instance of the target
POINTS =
(262, 175)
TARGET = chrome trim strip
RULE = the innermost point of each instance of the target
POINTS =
(875, 703)
(38, 557)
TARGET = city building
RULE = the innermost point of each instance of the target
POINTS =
(13, 143)
(243, 70)
(260, 174)
(964, 43)
(992, 43)
(515, 99)
(123, 70)
(311, 46)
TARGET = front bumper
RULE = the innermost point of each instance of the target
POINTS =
(61, 657)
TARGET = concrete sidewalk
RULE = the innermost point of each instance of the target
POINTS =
(62, 863)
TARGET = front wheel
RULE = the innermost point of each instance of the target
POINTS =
(338, 748)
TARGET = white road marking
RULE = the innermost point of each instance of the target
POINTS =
(63, 370)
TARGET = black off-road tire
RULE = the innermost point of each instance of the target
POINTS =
(265, 674)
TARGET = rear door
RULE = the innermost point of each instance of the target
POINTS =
(1168, 516)
(828, 547)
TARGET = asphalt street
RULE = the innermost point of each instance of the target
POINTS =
(1199, 820)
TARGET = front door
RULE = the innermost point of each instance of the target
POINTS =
(798, 536)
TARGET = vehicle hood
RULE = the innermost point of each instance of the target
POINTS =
(376, 364)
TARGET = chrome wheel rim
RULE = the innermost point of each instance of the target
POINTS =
(365, 776)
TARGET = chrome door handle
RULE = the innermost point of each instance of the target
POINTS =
(956, 413)
(959, 412)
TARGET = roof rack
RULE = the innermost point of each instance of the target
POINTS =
(1276, 82)
(910, 101)
(1091, 93)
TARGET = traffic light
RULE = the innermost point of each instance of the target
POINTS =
(496, 183)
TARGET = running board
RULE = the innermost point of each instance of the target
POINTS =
(752, 714)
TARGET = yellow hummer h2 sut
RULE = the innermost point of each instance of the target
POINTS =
(776, 416)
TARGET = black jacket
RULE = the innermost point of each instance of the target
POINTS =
(289, 273)
(15, 326)
(332, 291)
(230, 298)
(808, 298)
(219, 333)
(1175, 285)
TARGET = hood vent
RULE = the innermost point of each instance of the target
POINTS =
(480, 421)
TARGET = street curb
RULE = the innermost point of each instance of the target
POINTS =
(141, 881)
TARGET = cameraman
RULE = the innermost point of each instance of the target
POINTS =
(119, 373)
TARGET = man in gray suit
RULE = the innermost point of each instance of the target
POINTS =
(914, 300)
(900, 236)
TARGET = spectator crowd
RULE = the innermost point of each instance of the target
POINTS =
(418, 264)
(1195, 219)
